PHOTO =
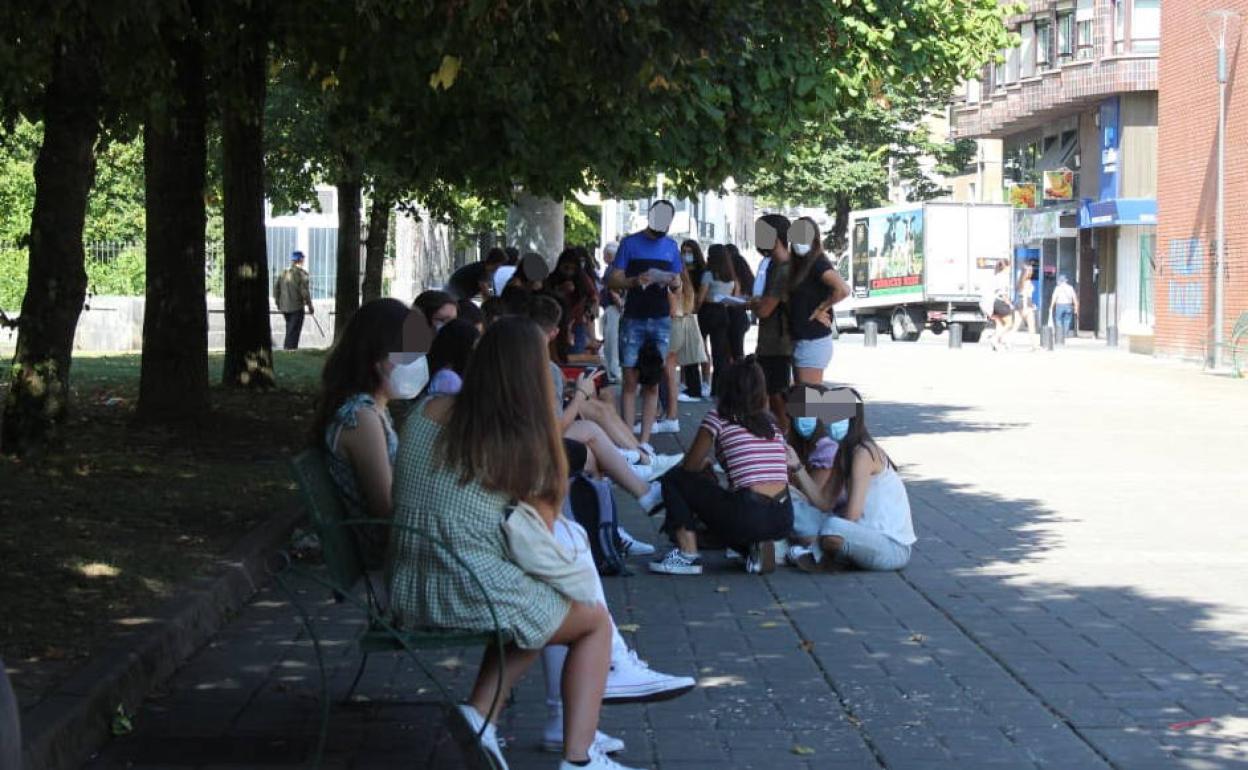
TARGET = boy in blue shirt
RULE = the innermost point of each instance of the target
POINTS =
(647, 265)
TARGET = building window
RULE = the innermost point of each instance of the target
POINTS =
(1044, 43)
(1146, 26)
(1120, 25)
(1027, 58)
(1085, 15)
(1012, 65)
(1066, 36)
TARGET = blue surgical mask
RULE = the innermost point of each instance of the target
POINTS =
(688, 255)
(805, 426)
(838, 430)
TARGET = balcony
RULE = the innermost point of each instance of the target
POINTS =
(1051, 94)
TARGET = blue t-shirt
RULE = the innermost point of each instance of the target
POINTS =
(637, 254)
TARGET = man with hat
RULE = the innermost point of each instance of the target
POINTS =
(293, 293)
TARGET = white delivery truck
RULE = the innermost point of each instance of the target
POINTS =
(926, 265)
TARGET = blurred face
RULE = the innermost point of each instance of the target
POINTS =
(567, 269)
(444, 315)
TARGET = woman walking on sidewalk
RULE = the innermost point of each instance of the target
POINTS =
(755, 510)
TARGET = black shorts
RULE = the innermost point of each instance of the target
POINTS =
(1001, 308)
(577, 455)
(778, 371)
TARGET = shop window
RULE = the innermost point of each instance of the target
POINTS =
(1044, 43)
(1066, 36)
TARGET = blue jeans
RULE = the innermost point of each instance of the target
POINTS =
(864, 547)
(635, 332)
(1063, 315)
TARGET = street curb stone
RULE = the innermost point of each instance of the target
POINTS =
(70, 724)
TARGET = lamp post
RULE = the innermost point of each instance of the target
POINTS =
(1221, 23)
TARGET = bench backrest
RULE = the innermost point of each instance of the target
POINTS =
(327, 512)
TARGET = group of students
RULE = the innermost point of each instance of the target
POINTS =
(501, 421)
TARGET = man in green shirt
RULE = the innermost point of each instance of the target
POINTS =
(293, 293)
(775, 348)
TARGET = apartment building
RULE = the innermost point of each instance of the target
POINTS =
(1074, 106)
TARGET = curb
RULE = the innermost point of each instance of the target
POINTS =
(70, 724)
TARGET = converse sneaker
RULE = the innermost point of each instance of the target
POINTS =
(597, 761)
(674, 562)
(652, 501)
(466, 723)
(686, 398)
(643, 471)
(631, 546)
(794, 553)
(631, 456)
(762, 558)
(552, 741)
(706, 390)
(663, 463)
(630, 680)
(666, 426)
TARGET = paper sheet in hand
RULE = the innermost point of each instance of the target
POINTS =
(731, 300)
(660, 277)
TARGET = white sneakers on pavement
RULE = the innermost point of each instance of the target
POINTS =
(630, 680)
(652, 500)
(631, 546)
(468, 726)
(665, 426)
(674, 562)
(552, 740)
(597, 761)
(686, 398)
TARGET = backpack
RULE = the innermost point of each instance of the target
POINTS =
(590, 504)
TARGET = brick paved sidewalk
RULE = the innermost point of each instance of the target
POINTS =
(1027, 632)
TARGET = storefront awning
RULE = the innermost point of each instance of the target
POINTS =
(1117, 212)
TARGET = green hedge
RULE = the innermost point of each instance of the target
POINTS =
(123, 274)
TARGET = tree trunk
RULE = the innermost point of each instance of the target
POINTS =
(38, 397)
(536, 224)
(173, 384)
(375, 246)
(347, 288)
(840, 223)
(248, 336)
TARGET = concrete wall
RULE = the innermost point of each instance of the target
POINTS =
(115, 325)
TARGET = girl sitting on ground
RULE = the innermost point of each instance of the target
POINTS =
(448, 357)
(874, 531)
(462, 462)
(756, 509)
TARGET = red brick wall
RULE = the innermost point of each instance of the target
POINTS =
(1187, 179)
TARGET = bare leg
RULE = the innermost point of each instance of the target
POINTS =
(628, 398)
(687, 541)
(587, 632)
(605, 417)
(649, 410)
(485, 689)
(673, 386)
(809, 375)
(608, 460)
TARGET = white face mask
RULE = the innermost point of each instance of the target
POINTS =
(408, 380)
(801, 249)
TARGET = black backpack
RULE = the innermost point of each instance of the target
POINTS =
(591, 505)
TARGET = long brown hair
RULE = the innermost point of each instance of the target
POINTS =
(502, 431)
(800, 266)
(720, 263)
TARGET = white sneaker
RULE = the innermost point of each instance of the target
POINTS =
(636, 429)
(468, 727)
(597, 761)
(652, 500)
(666, 426)
(795, 552)
(552, 741)
(642, 471)
(686, 398)
(706, 390)
(676, 563)
(631, 456)
(632, 546)
(663, 463)
(762, 558)
(630, 680)
(732, 554)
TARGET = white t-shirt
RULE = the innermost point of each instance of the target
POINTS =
(887, 508)
(1064, 294)
(501, 276)
(760, 278)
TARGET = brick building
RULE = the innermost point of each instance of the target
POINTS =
(1187, 179)
(1075, 104)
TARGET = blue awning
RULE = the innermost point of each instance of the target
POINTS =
(1118, 211)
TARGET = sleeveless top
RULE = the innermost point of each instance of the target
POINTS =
(339, 464)
(887, 509)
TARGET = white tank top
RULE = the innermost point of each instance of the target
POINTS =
(888, 507)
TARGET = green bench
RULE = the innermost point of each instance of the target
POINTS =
(345, 569)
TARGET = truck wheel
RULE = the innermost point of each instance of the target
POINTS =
(972, 332)
(938, 327)
(898, 324)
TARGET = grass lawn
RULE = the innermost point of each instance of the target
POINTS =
(110, 523)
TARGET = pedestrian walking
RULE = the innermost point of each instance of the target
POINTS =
(719, 286)
(293, 292)
(995, 304)
(646, 265)
(1064, 306)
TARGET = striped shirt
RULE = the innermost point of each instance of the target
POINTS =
(747, 459)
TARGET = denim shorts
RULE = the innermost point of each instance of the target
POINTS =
(635, 332)
(813, 354)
